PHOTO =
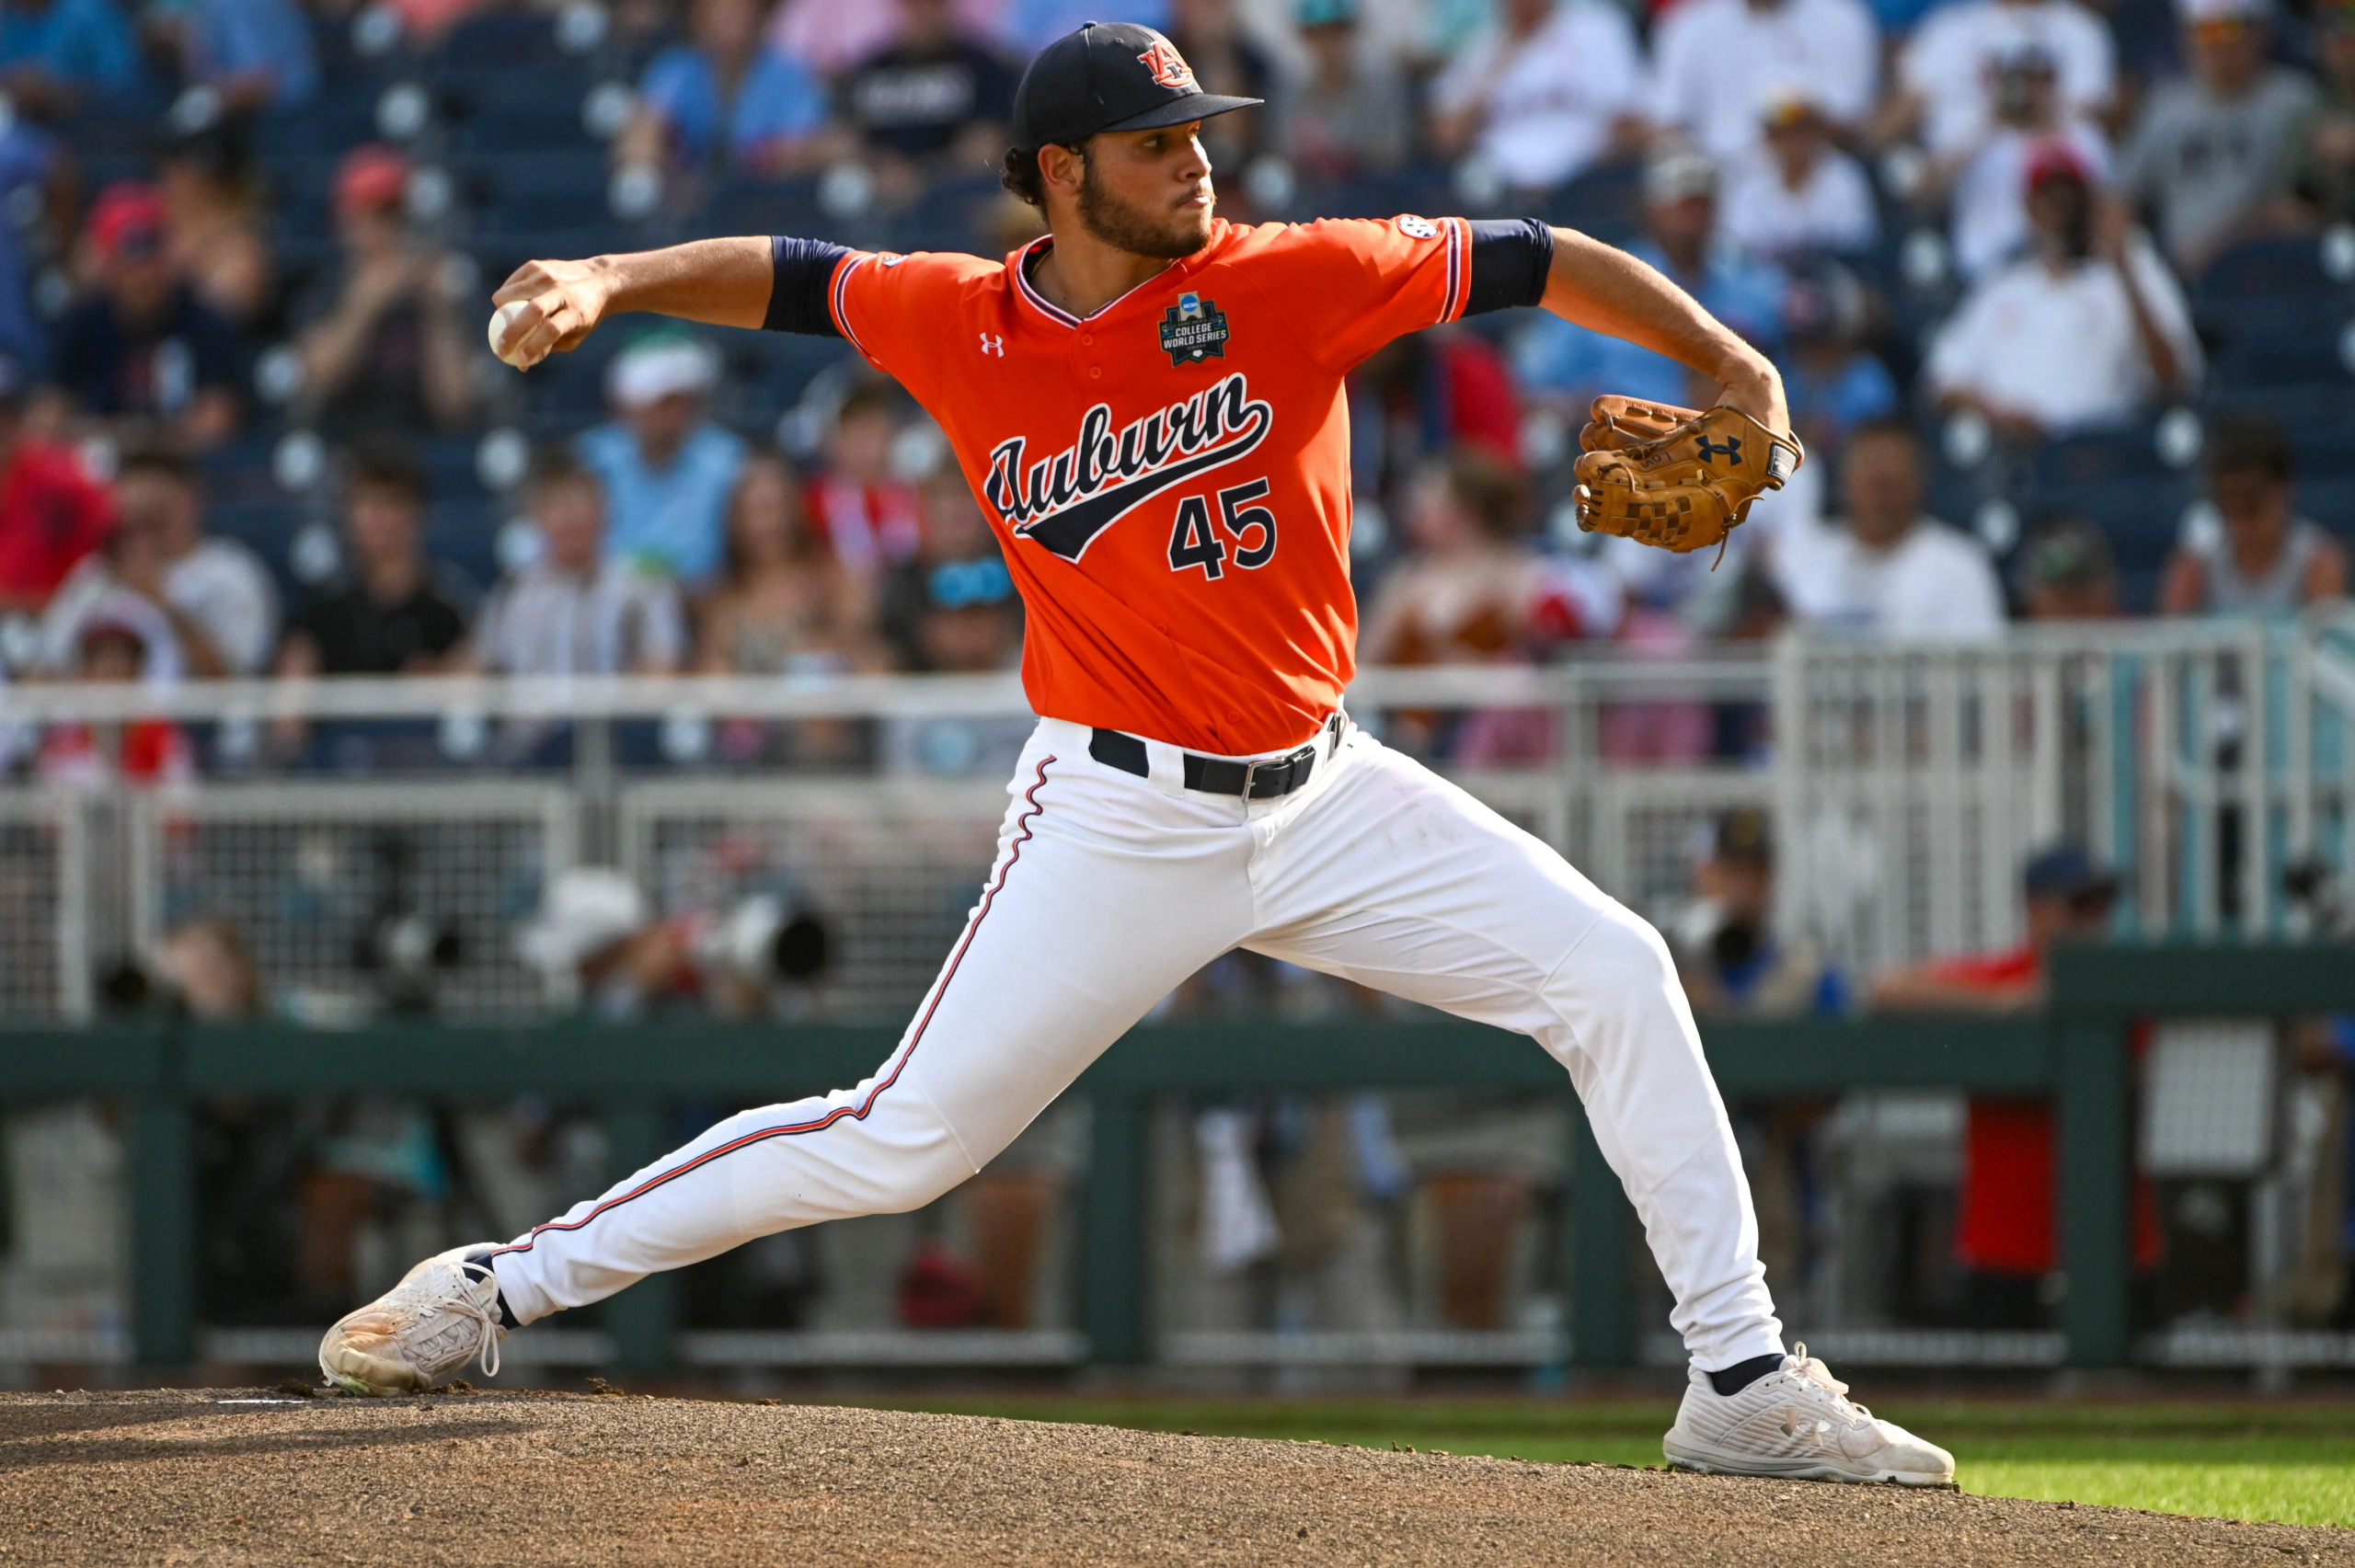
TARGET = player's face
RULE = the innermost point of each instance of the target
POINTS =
(1148, 192)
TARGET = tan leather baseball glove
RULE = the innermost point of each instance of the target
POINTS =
(1678, 478)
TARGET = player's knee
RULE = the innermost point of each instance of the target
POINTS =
(1626, 947)
(916, 1182)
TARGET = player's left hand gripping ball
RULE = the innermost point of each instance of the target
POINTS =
(1675, 477)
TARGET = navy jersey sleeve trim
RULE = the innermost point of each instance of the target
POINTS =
(805, 271)
(1510, 258)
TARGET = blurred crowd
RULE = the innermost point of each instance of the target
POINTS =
(2056, 288)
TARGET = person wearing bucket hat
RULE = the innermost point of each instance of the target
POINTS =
(1148, 402)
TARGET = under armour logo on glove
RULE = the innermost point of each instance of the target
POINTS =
(992, 345)
(1729, 449)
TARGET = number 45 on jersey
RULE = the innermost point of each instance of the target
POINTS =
(1196, 540)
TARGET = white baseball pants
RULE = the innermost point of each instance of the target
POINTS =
(1109, 890)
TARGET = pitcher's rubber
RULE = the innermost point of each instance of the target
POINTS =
(213, 1477)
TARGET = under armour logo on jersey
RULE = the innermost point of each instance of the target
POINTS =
(991, 344)
(1062, 502)
(1168, 66)
(1729, 449)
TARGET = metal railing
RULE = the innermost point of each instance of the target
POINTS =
(2204, 760)
(308, 861)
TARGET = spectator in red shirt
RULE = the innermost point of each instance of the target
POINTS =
(2005, 1231)
(116, 649)
(52, 512)
(866, 512)
(1420, 398)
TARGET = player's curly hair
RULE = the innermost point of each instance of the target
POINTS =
(1020, 174)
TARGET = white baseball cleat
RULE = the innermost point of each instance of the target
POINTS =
(1797, 1423)
(441, 1315)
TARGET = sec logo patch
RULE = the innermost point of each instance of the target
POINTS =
(1418, 228)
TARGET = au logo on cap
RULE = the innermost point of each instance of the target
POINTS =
(1168, 66)
(1192, 330)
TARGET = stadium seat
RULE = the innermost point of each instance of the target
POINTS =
(464, 531)
(522, 41)
(266, 528)
(531, 191)
(1605, 203)
(953, 215)
(767, 207)
(2317, 404)
(2329, 502)
(2267, 269)
(2326, 448)
(1388, 195)
(495, 113)
(2305, 356)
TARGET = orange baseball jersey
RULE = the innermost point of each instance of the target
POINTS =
(1170, 475)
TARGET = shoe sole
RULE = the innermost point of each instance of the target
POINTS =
(1798, 1470)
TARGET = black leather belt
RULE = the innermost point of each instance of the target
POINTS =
(1215, 776)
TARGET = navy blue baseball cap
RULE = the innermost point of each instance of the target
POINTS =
(2065, 871)
(1109, 76)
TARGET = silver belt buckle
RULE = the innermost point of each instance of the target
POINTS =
(1250, 775)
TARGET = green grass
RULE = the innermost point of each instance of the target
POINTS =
(2231, 1458)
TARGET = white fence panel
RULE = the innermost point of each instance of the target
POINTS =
(891, 868)
(353, 898)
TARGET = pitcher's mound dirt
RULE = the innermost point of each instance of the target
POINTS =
(524, 1479)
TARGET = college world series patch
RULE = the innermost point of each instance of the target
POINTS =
(1192, 330)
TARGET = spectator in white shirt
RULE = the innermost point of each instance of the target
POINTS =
(1720, 63)
(1795, 194)
(1544, 93)
(2088, 329)
(1988, 173)
(573, 612)
(1946, 77)
(1891, 571)
(214, 595)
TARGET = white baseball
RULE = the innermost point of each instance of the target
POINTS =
(503, 318)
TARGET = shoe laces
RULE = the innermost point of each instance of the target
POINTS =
(484, 1319)
(487, 1345)
(1811, 1370)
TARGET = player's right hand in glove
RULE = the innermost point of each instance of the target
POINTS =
(1677, 478)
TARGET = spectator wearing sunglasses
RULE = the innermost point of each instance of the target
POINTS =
(952, 609)
(952, 606)
(2212, 156)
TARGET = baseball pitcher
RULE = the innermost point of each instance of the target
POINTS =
(1148, 400)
